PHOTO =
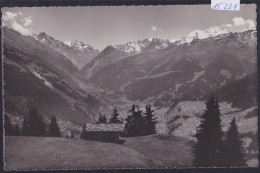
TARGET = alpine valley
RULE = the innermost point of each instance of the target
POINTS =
(75, 82)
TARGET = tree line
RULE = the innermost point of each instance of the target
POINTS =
(114, 118)
(213, 147)
(137, 123)
(33, 125)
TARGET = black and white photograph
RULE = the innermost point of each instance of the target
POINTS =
(126, 87)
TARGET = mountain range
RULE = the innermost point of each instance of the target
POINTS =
(75, 51)
(178, 71)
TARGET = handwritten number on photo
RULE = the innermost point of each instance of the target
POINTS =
(225, 6)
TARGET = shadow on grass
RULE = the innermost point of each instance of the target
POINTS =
(121, 141)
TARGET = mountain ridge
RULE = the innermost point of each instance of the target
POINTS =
(77, 52)
(38, 76)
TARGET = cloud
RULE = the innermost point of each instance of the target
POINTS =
(28, 21)
(227, 25)
(156, 28)
(24, 31)
(9, 15)
(250, 24)
(17, 22)
(240, 24)
(238, 21)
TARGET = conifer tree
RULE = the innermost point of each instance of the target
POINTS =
(139, 122)
(233, 145)
(26, 127)
(134, 122)
(150, 120)
(54, 130)
(8, 126)
(114, 118)
(17, 131)
(41, 129)
(33, 125)
(208, 150)
(83, 133)
(72, 136)
(102, 119)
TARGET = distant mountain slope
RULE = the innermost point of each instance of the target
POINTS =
(29, 46)
(180, 71)
(241, 93)
(77, 52)
(106, 57)
(36, 75)
(113, 54)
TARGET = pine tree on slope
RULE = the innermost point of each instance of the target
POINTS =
(83, 133)
(41, 128)
(54, 130)
(8, 127)
(208, 150)
(72, 136)
(134, 122)
(33, 125)
(150, 120)
(102, 119)
(129, 127)
(234, 155)
(114, 118)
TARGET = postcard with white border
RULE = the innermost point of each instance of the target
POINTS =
(97, 87)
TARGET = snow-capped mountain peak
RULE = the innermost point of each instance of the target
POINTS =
(161, 43)
(210, 32)
(204, 34)
(132, 47)
(77, 44)
(140, 46)
(77, 52)
(158, 39)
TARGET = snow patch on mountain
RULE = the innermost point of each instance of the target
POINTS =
(77, 45)
(200, 34)
(196, 76)
(131, 47)
(177, 86)
(45, 81)
(161, 43)
(77, 52)
(226, 73)
(210, 32)
(139, 46)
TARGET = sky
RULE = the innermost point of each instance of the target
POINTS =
(103, 26)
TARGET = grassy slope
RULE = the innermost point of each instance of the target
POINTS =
(163, 151)
(23, 153)
(26, 153)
